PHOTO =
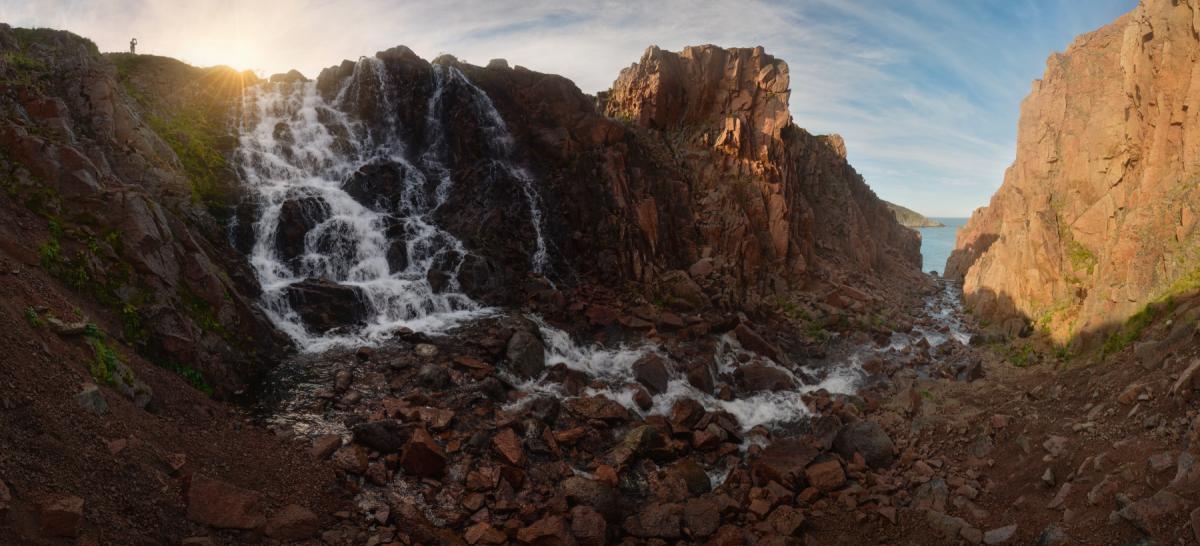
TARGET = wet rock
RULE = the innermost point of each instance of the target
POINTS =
(868, 439)
(426, 350)
(701, 377)
(219, 504)
(639, 442)
(526, 353)
(433, 376)
(598, 407)
(642, 398)
(588, 526)
(92, 400)
(60, 516)
(484, 533)
(324, 305)
(686, 413)
(293, 522)
(545, 409)
(826, 476)
(752, 341)
(651, 370)
(784, 461)
(386, 436)
(757, 377)
(508, 445)
(422, 456)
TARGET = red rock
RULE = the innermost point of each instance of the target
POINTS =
(293, 522)
(484, 533)
(702, 516)
(643, 399)
(786, 520)
(601, 315)
(826, 475)
(752, 341)
(60, 516)
(351, 458)
(597, 407)
(550, 530)
(422, 456)
(784, 461)
(218, 504)
(757, 377)
(508, 445)
(588, 526)
(685, 413)
(656, 520)
(324, 445)
(651, 370)
(607, 474)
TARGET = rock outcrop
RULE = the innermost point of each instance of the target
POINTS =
(692, 186)
(911, 218)
(1097, 215)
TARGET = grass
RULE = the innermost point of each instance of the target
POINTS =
(193, 137)
(33, 318)
(105, 361)
(1131, 331)
(1021, 357)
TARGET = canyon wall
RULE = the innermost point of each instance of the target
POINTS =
(692, 183)
(1096, 216)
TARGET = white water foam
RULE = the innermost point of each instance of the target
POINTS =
(295, 145)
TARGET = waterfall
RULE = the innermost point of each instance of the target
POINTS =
(503, 161)
(299, 155)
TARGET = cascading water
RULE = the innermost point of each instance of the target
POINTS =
(503, 152)
(300, 152)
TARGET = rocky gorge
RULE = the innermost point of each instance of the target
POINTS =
(419, 301)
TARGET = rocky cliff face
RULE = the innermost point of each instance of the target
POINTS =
(1097, 214)
(105, 180)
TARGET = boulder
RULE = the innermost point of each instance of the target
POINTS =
(757, 377)
(651, 370)
(598, 407)
(580, 491)
(385, 436)
(219, 504)
(324, 305)
(422, 456)
(784, 461)
(526, 353)
(868, 439)
(826, 475)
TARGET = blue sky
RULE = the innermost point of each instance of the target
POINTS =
(925, 92)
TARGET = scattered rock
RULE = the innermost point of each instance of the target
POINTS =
(826, 476)
(651, 370)
(1000, 535)
(508, 445)
(385, 436)
(323, 446)
(422, 456)
(1149, 514)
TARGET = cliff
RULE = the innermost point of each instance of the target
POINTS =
(107, 164)
(911, 218)
(1096, 216)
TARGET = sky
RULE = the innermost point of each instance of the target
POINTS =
(925, 92)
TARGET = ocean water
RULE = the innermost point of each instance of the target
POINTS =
(937, 243)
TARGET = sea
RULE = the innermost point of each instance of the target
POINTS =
(937, 243)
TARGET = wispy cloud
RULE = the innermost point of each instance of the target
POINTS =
(925, 92)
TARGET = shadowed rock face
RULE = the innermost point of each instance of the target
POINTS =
(126, 226)
(1097, 214)
(693, 161)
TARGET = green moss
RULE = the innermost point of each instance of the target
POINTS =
(105, 360)
(193, 137)
(33, 318)
(189, 374)
(1022, 356)
(1080, 257)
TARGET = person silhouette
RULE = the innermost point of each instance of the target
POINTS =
(133, 46)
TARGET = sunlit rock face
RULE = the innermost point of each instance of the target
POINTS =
(1097, 214)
